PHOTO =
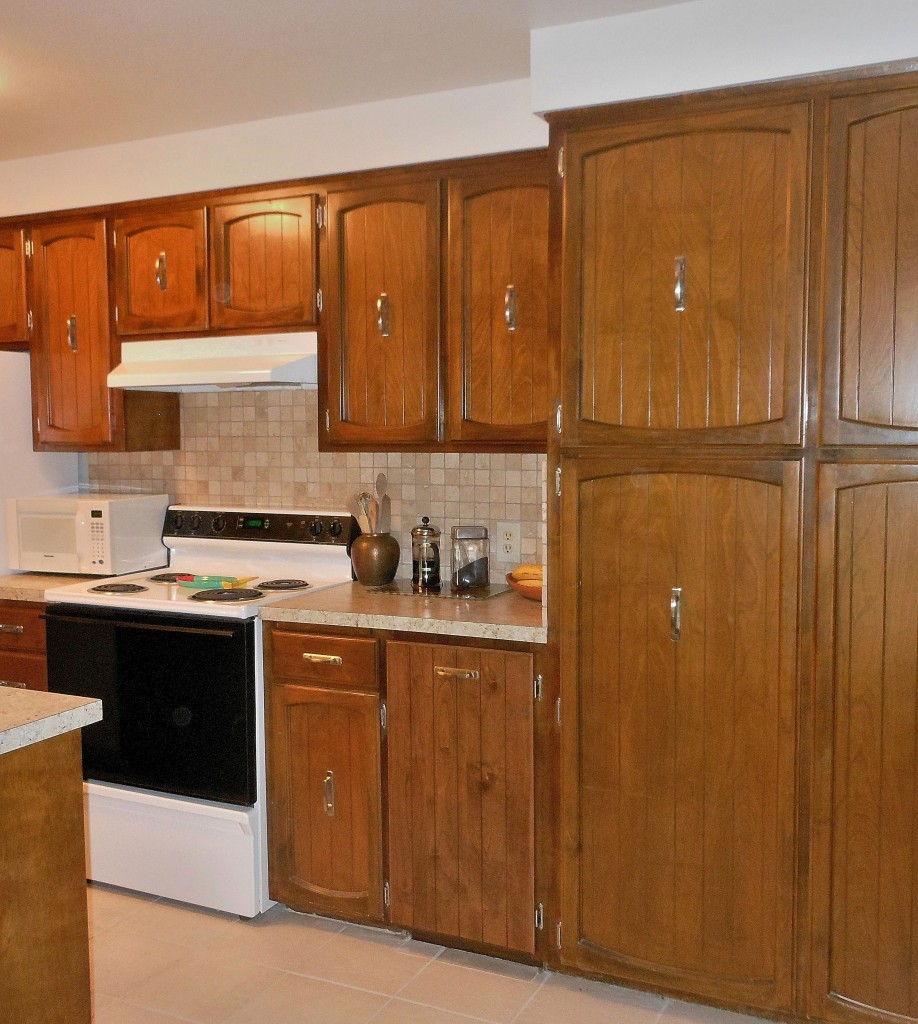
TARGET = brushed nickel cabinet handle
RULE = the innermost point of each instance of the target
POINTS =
(323, 659)
(10, 682)
(5, 627)
(162, 273)
(382, 314)
(456, 673)
(675, 614)
(72, 333)
(679, 288)
(510, 307)
(328, 793)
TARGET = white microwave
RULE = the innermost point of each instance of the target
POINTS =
(92, 534)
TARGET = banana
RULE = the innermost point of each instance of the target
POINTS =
(530, 571)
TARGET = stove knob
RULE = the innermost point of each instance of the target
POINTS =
(195, 522)
(315, 527)
(336, 529)
(178, 521)
(219, 524)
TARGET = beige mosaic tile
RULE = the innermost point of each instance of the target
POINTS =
(261, 448)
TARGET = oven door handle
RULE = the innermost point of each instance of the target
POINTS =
(155, 627)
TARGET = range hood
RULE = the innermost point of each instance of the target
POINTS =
(249, 361)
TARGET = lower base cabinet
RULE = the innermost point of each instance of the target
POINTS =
(23, 663)
(461, 844)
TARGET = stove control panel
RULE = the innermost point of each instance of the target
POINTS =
(286, 527)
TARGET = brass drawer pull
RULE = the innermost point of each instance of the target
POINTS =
(323, 659)
(5, 627)
(456, 673)
(10, 682)
(328, 793)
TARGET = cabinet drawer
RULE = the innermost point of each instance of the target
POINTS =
(22, 627)
(23, 671)
(347, 662)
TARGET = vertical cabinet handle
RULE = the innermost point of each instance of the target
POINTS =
(675, 614)
(679, 288)
(510, 307)
(328, 793)
(72, 332)
(382, 314)
(162, 278)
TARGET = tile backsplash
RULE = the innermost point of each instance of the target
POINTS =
(260, 448)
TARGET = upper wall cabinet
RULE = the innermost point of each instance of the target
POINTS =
(14, 325)
(497, 305)
(684, 271)
(263, 260)
(871, 350)
(382, 286)
(161, 271)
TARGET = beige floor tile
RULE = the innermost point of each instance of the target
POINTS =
(295, 1000)
(397, 1011)
(121, 1013)
(508, 968)
(476, 993)
(369, 960)
(122, 961)
(563, 997)
(183, 925)
(678, 1012)
(281, 939)
(206, 987)
(108, 906)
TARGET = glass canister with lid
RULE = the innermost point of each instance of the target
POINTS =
(469, 558)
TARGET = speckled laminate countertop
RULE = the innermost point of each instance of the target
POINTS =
(30, 716)
(31, 586)
(505, 617)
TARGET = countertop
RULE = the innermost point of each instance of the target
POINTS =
(31, 586)
(504, 617)
(30, 716)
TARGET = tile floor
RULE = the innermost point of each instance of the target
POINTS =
(159, 962)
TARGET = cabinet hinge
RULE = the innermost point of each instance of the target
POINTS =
(116, 314)
(537, 687)
(561, 162)
(558, 481)
(29, 248)
(558, 418)
(320, 216)
(558, 711)
(29, 319)
(385, 895)
(114, 239)
(319, 300)
(539, 917)
(38, 425)
(558, 936)
(327, 421)
(383, 717)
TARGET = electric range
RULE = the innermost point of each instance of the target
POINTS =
(175, 771)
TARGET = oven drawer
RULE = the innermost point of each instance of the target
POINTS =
(23, 671)
(22, 626)
(346, 662)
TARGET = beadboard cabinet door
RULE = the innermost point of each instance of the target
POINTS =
(14, 310)
(678, 725)
(871, 371)
(461, 805)
(684, 279)
(865, 865)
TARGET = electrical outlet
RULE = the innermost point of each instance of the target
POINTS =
(508, 542)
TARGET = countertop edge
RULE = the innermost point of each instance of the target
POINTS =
(62, 713)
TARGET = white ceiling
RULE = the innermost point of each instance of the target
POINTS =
(90, 72)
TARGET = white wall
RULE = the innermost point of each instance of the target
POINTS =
(461, 122)
(23, 471)
(709, 43)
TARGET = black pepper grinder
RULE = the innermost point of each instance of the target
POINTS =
(425, 557)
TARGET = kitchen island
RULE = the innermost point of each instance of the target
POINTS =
(44, 940)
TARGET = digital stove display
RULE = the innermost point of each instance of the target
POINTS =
(252, 523)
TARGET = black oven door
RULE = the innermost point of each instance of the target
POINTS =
(178, 698)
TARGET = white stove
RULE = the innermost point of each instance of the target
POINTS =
(176, 791)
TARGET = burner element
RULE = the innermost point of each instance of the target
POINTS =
(118, 588)
(165, 577)
(283, 585)
(237, 595)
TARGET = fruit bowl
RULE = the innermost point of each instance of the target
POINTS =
(528, 588)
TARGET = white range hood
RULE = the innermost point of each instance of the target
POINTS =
(249, 361)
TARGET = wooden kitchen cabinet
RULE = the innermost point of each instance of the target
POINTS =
(678, 652)
(865, 871)
(497, 304)
(263, 259)
(684, 274)
(73, 407)
(14, 310)
(324, 788)
(22, 645)
(160, 271)
(460, 793)
(871, 320)
(382, 316)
